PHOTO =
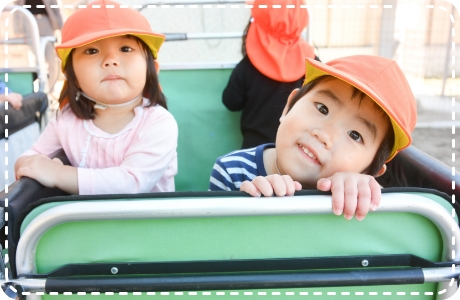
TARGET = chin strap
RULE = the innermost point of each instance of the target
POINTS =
(103, 106)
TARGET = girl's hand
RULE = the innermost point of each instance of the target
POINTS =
(280, 185)
(41, 168)
(352, 193)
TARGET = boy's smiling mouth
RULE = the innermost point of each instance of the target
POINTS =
(309, 154)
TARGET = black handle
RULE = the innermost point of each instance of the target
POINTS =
(236, 282)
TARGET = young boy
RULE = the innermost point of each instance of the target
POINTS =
(351, 116)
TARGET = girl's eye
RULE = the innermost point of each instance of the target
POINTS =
(322, 108)
(91, 51)
(126, 49)
(355, 136)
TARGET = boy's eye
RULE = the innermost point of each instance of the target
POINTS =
(322, 108)
(91, 51)
(355, 136)
(126, 49)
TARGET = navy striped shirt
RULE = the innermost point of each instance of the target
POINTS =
(232, 169)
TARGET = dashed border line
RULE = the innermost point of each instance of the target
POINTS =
(247, 6)
(138, 6)
(236, 293)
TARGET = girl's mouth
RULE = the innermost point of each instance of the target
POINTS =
(112, 77)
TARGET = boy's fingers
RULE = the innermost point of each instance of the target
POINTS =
(364, 199)
(277, 185)
(324, 184)
(376, 194)
(249, 188)
(263, 185)
(337, 190)
(290, 185)
(350, 198)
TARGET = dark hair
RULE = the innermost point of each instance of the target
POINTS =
(84, 108)
(384, 150)
(245, 35)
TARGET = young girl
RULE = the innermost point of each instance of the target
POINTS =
(113, 124)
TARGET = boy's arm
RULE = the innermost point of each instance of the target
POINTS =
(220, 179)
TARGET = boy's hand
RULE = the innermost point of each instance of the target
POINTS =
(41, 168)
(280, 185)
(352, 193)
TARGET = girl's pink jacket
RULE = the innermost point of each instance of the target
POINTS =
(140, 158)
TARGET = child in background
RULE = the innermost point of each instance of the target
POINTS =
(272, 66)
(113, 123)
(7, 95)
(351, 116)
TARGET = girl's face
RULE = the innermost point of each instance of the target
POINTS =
(111, 70)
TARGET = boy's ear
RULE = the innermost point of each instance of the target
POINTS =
(285, 110)
(381, 171)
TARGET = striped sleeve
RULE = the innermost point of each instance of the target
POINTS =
(231, 170)
(220, 180)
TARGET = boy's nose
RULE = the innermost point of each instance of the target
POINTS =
(323, 137)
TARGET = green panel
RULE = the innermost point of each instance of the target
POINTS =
(207, 129)
(227, 238)
(21, 83)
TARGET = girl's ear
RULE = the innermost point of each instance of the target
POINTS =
(157, 66)
(285, 110)
(381, 171)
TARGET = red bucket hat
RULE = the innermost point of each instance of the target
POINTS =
(106, 20)
(383, 81)
(273, 44)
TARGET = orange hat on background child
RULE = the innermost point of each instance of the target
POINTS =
(383, 81)
(103, 19)
(274, 44)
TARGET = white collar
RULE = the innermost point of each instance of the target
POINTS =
(103, 106)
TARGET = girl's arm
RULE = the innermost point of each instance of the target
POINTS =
(49, 172)
(36, 164)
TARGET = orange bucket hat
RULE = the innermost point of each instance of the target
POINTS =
(104, 19)
(273, 43)
(383, 81)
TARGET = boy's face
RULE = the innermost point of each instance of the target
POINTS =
(327, 132)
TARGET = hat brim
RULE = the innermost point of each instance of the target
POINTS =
(153, 41)
(315, 69)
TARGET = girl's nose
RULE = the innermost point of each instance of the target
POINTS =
(110, 60)
(325, 137)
